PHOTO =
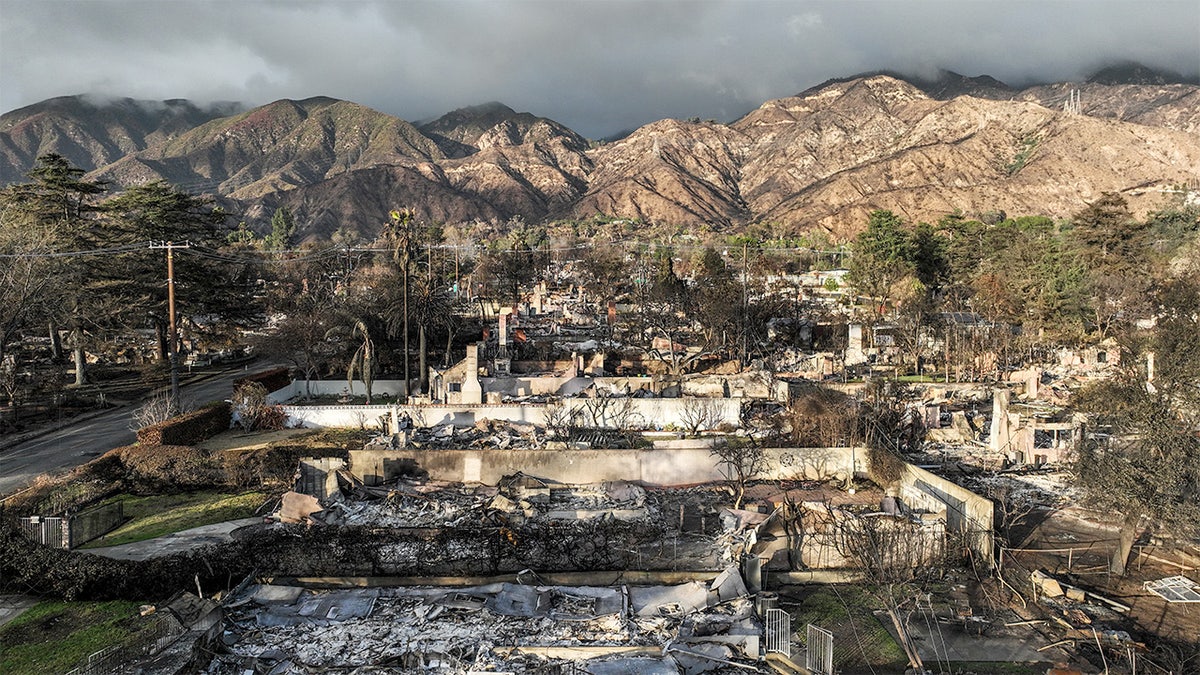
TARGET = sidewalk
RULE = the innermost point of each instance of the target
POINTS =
(178, 542)
(12, 606)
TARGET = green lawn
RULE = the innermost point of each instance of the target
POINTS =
(863, 644)
(53, 636)
(156, 515)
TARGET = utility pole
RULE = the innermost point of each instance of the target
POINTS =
(173, 331)
(402, 253)
(745, 304)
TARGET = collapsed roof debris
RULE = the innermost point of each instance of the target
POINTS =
(1175, 589)
(694, 627)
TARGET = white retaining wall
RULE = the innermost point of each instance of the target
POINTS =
(686, 466)
(336, 388)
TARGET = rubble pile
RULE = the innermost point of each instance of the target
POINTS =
(518, 500)
(694, 627)
(490, 434)
(1080, 614)
(1050, 490)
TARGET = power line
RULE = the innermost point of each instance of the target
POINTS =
(127, 248)
(281, 256)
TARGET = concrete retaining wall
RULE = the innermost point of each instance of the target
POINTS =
(966, 512)
(685, 466)
(336, 388)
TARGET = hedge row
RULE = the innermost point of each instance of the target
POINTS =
(326, 551)
(273, 379)
(189, 428)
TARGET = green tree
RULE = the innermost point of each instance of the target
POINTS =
(716, 298)
(207, 284)
(283, 228)
(930, 259)
(1113, 246)
(512, 262)
(882, 254)
(60, 202)
(27, 279)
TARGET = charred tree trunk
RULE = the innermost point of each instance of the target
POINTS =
(1130, 530)
(423, 360)
(80, 357)
(906, 643)
(56, 350)
(162, 348)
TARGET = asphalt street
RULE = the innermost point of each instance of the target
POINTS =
(80, 443)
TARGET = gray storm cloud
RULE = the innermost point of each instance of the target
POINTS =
(598, 67)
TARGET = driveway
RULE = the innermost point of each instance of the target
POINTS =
(178, 542)
(81, 442)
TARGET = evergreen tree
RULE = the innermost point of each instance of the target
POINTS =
(283, 228)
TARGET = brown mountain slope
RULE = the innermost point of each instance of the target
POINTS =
(92, 133)
(468, 130)
(821, 159)
(669, 171)
(281, 145)
(1171, 106)
(817, 164)
(360, 200)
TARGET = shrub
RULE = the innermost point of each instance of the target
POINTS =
(253, 409)
(158, 409)
(190, 428)
(273, 379)
(270, 466)
(169, 467)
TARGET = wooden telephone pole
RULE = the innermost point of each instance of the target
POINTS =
(173, 331)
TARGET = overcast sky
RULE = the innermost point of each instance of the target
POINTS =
(596, 66)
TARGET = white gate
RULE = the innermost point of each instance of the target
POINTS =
(819, 657)
(779, 632)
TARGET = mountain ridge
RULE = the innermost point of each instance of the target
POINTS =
(818, 160)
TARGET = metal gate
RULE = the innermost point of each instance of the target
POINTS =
(779, 632)
(68, 532)
(52, 532)
(819, 657)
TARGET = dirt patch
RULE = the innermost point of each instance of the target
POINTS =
(1075, 547)
(236, 439)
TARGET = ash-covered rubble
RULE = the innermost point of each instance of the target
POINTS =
(491, 434)
(518, 498)
(579, 526)
(700, 626)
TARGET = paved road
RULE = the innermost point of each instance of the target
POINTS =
(80, 443)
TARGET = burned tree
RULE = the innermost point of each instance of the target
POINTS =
(699, 414)
(1147, 467)
(740, 462)
(898, 557)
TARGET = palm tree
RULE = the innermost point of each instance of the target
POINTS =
(362, 362)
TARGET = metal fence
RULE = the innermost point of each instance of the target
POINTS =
(818, 657)
(779, 632)
(163, 631)
(68, 532)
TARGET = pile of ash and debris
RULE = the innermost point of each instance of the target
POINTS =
(700, 626)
